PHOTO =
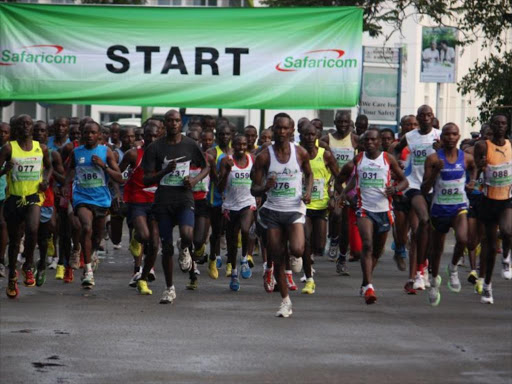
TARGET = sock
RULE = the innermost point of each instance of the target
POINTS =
(287, 300)
(234, 272)
(487, 286)
(88, 267)
(264, 265)
(244, 259)
(310, 279)
(288, 272)
(453, 267)
(368, 286)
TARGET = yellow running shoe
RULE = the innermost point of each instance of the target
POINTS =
(229, 269)
(198, 253)
(309, 289)
(250, 260)
(59, 274)
(135, 247)
(142, 287)
(473, 277)
(213, 272)
(51, 247)
(479, 286)
(193, 284)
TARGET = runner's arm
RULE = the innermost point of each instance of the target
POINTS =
(308, 174)
(111, 168)
(331, 163)
(432, 168)
(400, 146)
(480, 156)
(225, 168)
(343, 176)
(398, 176)
(48, 169)
(129, 159)
(70, 171)
(471, 168)
(5, 157)
(58, 167)
(259, 169)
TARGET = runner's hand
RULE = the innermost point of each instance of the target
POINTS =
(8, 166)
(271, 183)
(43, 186)
(188, 182)
(401, 163)
(306, 198)
(229, 163)
(437, 144)
(171, 166)
(97, 161)
(390, 191)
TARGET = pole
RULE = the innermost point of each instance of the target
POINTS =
(438, 107)
(399, 89)
(262, 120)
(146, 113)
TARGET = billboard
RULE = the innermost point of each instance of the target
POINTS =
(264, 58)
(379, 93)
(438, 55)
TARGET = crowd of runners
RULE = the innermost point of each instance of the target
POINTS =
(289, 194)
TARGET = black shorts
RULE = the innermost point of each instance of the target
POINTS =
(416, 192)
(170, 215)
(97, 212)
(269, 218)
(203, 208)
(138, 209)
(442, 224)
(234, 216)
(121, 211)
(14, 212)
(401, 203)
(475, 202)
(491, 210)
(317, 214)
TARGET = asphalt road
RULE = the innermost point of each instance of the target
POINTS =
(62, 334)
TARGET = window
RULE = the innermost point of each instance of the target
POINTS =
(25, 108)
(170, 2)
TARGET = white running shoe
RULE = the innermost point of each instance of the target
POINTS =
(419, 283)
(487, 296)
(136, 277)
(53, 264)
(506, 272)
(95, 261)
(426, 279)
(184, 258)
(296, 264)
(168, 296)
(453, 278)
(333, 251)
(434, 296)
(285, 310)
(117, 246)
(74, 261)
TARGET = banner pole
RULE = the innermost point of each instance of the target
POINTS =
(438, 92)
(262, 120)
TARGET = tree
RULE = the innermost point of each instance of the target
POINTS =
(488, 20)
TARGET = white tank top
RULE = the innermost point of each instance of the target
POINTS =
(372, 177)
(286, 196)
(421, 147)
(237, 194)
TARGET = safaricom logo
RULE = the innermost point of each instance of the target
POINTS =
(320, 58)
(33, 54)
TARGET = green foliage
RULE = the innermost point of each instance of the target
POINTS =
(490, 78)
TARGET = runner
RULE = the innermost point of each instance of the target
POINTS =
(494, 158)
(5, 133)
(324, 167)
(238, 206)
(343, 144)
(265, 137)
(251, 134)
(139, 200)
(48, 219)
(446, 172)
(167, 163)
(375, 213)
(422, 142)
(61, 133)
(90, 167)
(223, 138)
(361, 124)
(115, 131)
(28, 167)
(283, 213)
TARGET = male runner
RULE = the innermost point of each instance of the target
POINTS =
(28, 171)
(251, 134)
(446, 172)
(374, 191)
(167, 163)
(283, 164)
(494, 158)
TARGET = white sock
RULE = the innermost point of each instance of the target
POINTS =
(287, 300)
(234, 271)
(288, 272)
(368, 286)
(244, 259)
(264, 265)
(88, 267)
(488, 286)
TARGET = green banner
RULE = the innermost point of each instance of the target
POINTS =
(260, 58)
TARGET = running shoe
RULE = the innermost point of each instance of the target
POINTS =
(152, 275)
(245, 270)
(50, 252)
(234, 284)
(218, 261)
(197, 255)
(369, 295)
(213, 272)
(289, 282)
(229, 269)
(168, 296)
(268, 280)
(193, 283)
(419, 283)
(2, 270)
(117, 247)
(453, 278)
(309, 288)
(473, 277)
(142, 287)
(95, 261)
(184, 258)
(479, 286)
(54, 263)
(74, 262)
(434, 296)
(68, 275)
(506, 272)
(296, 264)
(28, 276)
(88, 280)
(59, 273)
(333, 250)
(21, 259)
(40, 276)
(250, 260)
(135, 247)
(341, 266)
(136, 277)
(487, 296)
(12, 289)
(424, 274)
(285, 309)
(409, 288)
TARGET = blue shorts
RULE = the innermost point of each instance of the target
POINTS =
(46, 214)
(138, 209)
(382, 221)
(169, 215)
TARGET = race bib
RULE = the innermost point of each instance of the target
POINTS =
(317, 192)
(27, 169)
(240, 179)
(126, 174)
(499, 175)
(175, 178)
(371, 179)
(90, 177)
(420, 153)
(449, 193)
(342, 155)
(284, 187)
